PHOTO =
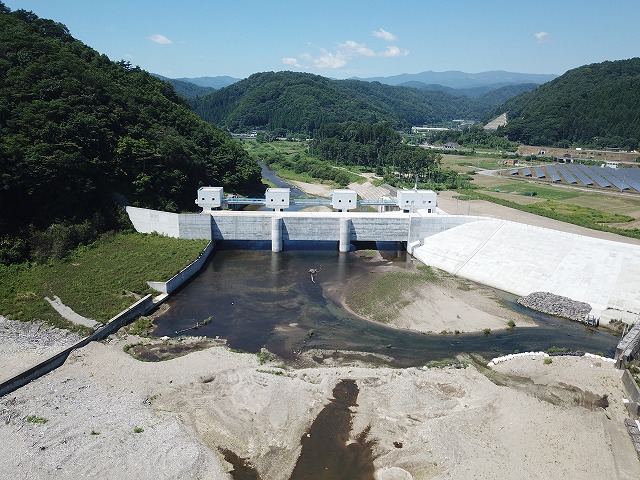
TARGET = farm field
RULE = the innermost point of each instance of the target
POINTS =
(599, 209)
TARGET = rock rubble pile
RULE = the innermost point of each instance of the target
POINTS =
(556, 305)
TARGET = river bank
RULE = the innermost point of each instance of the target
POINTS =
(171, 419)
(433, 303)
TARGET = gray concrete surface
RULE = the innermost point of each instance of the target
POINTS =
(522, 259)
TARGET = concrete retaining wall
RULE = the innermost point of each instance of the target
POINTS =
(240, 227)
(382, 229)
(148, 221)
(633, 394)
(185, 274)
(428, 225)
(139, 308)
(321, 228)
(195, 226)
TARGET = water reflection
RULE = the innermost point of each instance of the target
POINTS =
(262, 299)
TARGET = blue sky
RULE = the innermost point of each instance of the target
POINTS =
(342, 39)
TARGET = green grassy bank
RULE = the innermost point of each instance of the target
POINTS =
(97, 281)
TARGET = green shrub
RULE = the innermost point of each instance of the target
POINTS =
(36, 419)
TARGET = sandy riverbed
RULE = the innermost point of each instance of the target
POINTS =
(111, 416)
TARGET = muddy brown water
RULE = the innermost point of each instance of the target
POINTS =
(327, 453)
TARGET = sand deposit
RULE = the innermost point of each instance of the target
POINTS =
(111, 416)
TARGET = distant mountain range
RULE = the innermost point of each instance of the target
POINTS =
(457, 79)
(472, 85)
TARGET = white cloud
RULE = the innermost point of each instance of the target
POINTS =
(388, 36)
(353, 49)
(344, 52)
(329, 60)
(292, 62)
(161, 39)
(542, 37)
(393, 51)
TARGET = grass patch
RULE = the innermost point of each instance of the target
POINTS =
(36, 419)
(532, 190)
(265, 356)
(142, 327)
(547, 361)
(382, 298)
(568, 213)
(97, 281)
(138, 430)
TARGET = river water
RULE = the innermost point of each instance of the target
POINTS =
(258, 298)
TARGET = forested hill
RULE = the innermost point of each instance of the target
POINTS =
(594, 105)
(301, 102)
(76, 127)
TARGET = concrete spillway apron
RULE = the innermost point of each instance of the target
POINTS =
(345, 235)
(276, 234)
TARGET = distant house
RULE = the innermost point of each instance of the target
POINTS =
(425, 129)
(566, 158)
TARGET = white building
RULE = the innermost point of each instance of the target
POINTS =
(344, 199)
(277, 198)
(414, 200)
(210, 198)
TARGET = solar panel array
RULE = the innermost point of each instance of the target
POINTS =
(595, 176)
(630, 176)
(564, 171)
(613, 179)
(539, 173)
(603, 177)
(579, 175)
(552, 174)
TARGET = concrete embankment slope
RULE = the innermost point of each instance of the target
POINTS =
(522, 259)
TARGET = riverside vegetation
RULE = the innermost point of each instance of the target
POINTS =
(97, 281)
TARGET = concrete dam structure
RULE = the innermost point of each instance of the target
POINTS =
(517, 258)
(281, 227)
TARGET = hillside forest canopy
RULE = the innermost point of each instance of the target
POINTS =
(77, 129)
(285, 103)
(596, 106)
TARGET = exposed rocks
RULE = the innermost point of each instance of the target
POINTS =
(556, 305)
